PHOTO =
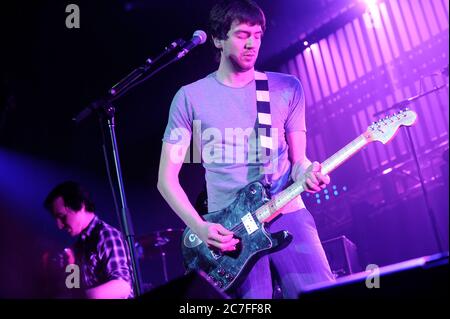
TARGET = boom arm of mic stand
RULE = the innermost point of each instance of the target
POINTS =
(126, 83)
(137, 73)
(408, 101)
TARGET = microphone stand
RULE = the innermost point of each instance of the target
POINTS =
(402, 105)
(106, 111)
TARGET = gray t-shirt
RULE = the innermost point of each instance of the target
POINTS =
(222, 120)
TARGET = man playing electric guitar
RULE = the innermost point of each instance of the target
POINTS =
(250, 127)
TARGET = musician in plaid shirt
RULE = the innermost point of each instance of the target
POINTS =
(100, 251)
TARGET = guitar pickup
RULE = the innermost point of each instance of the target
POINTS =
(249, 223)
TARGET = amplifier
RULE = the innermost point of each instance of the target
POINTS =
(342, 255)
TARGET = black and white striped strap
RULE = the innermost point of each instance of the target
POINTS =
(264, 121)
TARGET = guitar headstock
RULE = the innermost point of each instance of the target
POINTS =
(385, 129)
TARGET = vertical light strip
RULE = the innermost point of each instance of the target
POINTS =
(346, 59)
(312, 75)
(431, 18)
(403, 33)
(383, 40)
(416, 12)
(321, 74)
(362, 45)
(334, 50)
(389, 31)
(328, 62)
(354, 50)
(373, 46)
(446, 5)
(441, 13)
(304, 77)
(410, 23)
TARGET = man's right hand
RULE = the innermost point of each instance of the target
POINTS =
(215, 235)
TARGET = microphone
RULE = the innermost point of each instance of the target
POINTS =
(199, 37)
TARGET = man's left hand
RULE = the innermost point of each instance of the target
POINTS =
(313, 180)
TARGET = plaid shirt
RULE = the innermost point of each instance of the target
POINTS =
(103, 255)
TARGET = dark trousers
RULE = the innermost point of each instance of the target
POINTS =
(301, 263)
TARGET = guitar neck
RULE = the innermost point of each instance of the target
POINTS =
(270, 210)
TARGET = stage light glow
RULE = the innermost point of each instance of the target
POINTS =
(370, 3)
(314, 47)
(373, 18)
(387, 171)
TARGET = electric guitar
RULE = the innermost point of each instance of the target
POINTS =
(252, 208)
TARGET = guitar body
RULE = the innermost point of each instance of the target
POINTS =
(228, 269)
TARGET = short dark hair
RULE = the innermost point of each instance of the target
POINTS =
(225, 12)
(73, 194)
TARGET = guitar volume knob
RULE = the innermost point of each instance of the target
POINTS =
(229, 276)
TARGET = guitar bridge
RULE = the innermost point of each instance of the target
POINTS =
(215, 255)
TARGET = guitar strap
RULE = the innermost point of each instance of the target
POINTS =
(264, 125)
